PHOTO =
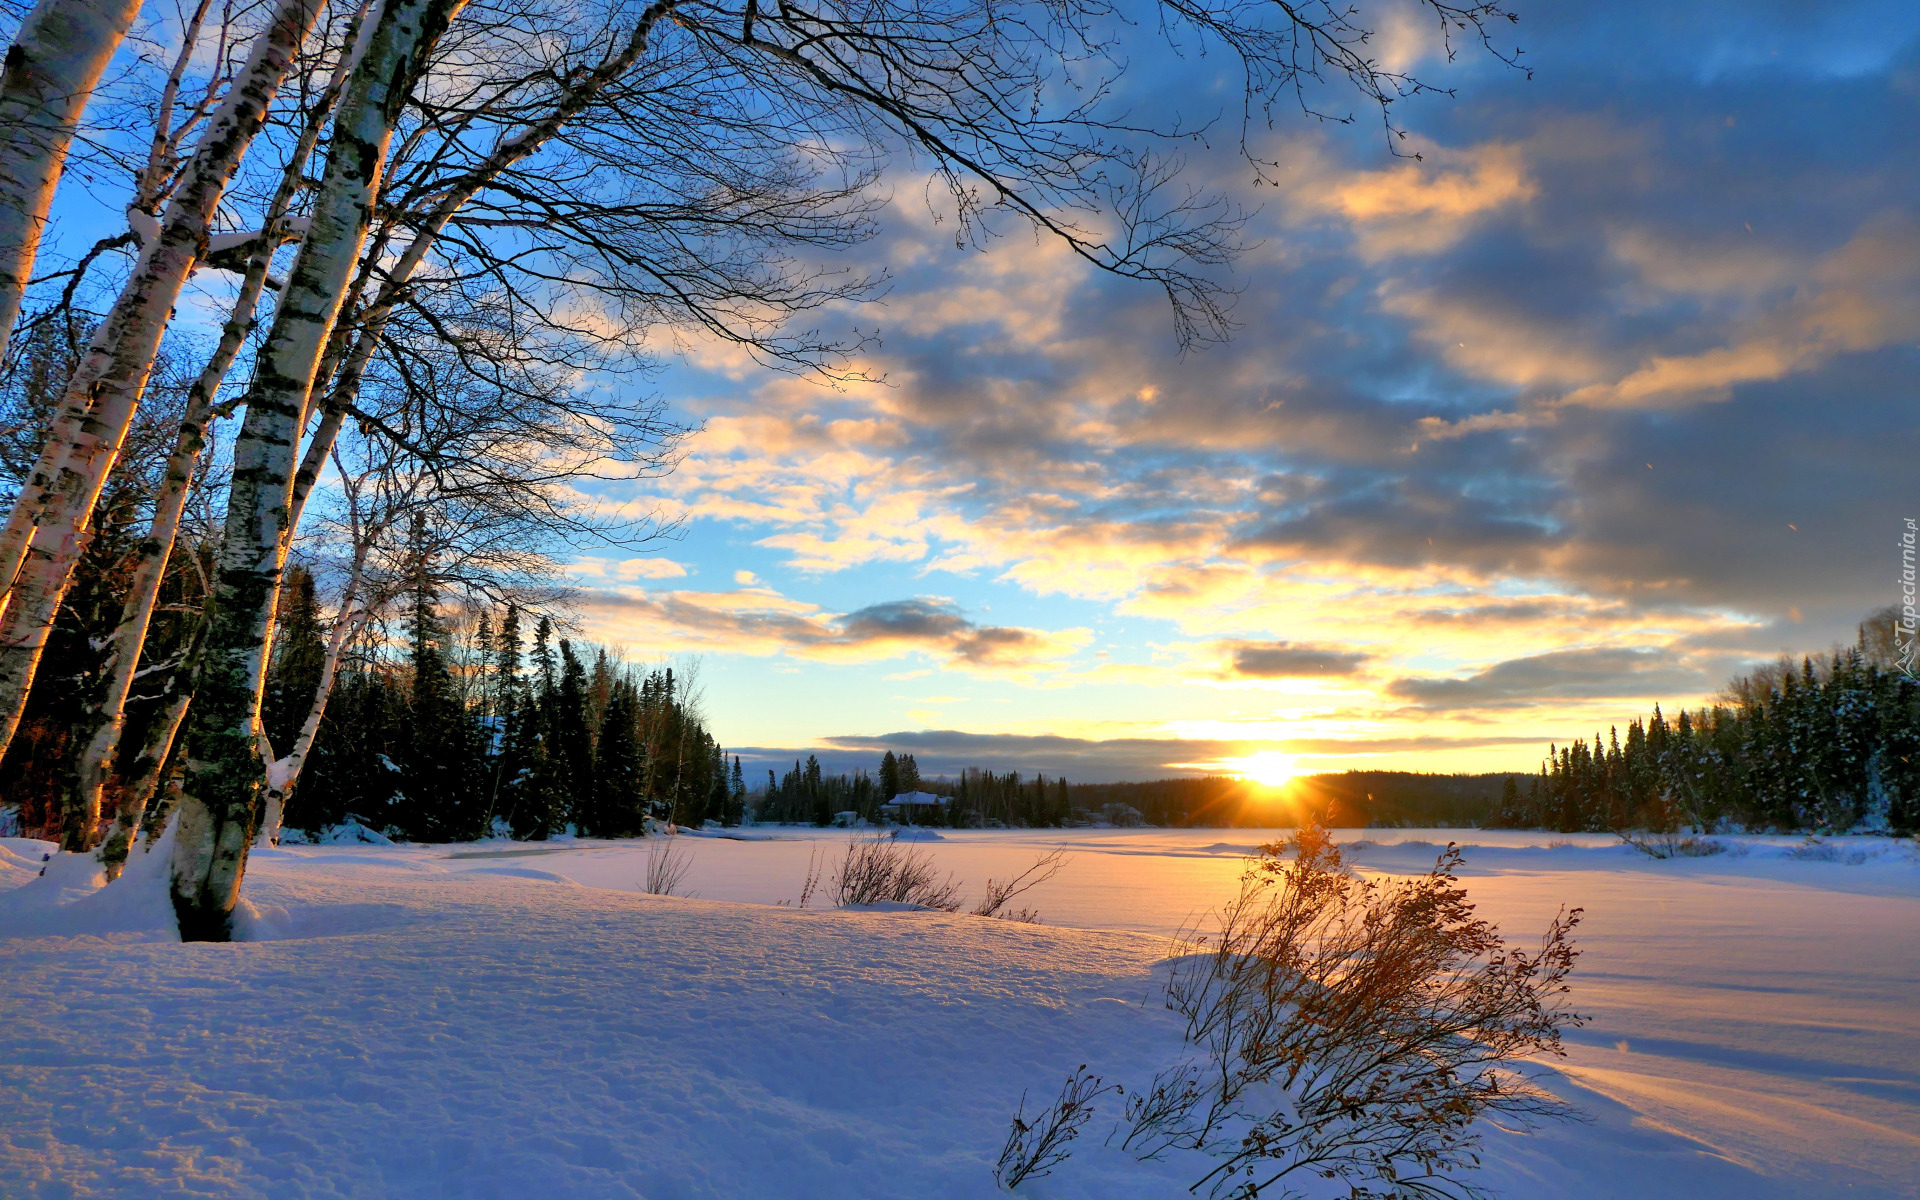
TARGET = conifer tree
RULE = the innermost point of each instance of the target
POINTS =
(508, 710)
(541, 785)
(573, 739)
(299, 651)
(440, 747)
(618, 806)
(820, 809)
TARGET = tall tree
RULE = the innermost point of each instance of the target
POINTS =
(45, 529)
(51, 71)
(224, 768)
(440, 751)
(573, 738)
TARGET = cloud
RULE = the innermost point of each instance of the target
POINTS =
(762, 622)
(1291, 660)
(1640, 675)
(628, 570)
(1419, 208)
(1514, 432)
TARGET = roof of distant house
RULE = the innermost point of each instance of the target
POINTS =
(917, 798)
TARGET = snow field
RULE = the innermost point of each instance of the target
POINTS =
(483, 1021)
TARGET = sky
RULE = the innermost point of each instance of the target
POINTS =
(1605, 397)
(1608, 395)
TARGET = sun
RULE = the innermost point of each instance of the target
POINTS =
(1269, 767)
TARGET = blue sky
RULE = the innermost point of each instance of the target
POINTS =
(1608, 394)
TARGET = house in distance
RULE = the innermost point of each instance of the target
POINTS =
(914, 808)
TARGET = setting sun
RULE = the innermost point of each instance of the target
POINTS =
(1268, 766)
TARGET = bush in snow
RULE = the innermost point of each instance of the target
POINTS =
(667, 865)
(880, 870)
(1671, 843)
(1350, 1029)
(352, 833)
(994, 903)
(1034, 1147)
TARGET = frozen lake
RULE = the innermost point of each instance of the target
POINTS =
(1755, 1022)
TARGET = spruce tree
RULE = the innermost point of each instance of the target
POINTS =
(816, 793)
(437, 766)
(537, 806)
(299, 652)
(618, 807)
(509, 736)
(573, 740)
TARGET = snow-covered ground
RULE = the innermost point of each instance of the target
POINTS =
(519, 1021)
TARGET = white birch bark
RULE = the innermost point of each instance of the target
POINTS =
(143, 775)
(224, 767)
(102, 727)
(100, 402)
(165, 142)
(51, 69)
(283, 772)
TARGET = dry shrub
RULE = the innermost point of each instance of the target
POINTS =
(1671, 843)
(879, 870)
(811, 884)
(667, 865)
(1352, 1029)
(1034, 1147)
(1663, 831)
(1813, 849)
(994, 903)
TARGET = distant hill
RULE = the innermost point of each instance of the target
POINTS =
(1345, 798)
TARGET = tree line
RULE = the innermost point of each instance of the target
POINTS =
(480, 731)
(1829, 744)
(975, 798)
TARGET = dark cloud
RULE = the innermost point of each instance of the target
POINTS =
(762, 623)
(1669, 376)
(1285, 660)
(1642, 675)
(913, 620)
(1408, 521)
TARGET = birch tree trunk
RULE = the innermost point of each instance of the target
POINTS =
(100, 402)
(284, 772)
(101, 726)
(52, 67)
(99, 730)
(224, 768)
(144, 774)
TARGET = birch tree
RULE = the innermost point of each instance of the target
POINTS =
(51, 71)
(44, 532)
(224, 768)
(99, 732)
